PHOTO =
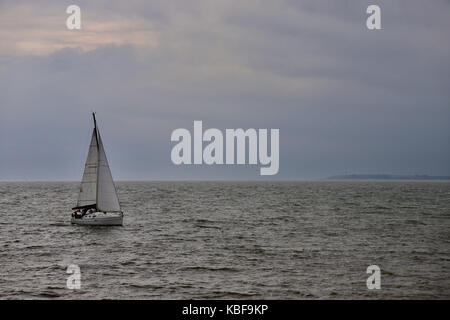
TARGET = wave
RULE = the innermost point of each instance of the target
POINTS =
(200, 268)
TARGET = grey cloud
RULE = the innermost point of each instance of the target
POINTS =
(345, 99)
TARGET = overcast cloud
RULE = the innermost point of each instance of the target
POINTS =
(346, 99)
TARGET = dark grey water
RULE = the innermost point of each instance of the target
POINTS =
(230, 240)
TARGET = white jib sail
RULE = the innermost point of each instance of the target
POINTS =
(88, 188)
(107, 199)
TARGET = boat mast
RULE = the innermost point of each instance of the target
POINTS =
(98, 159)
(95, 122)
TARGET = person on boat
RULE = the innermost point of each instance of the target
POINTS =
(76, 214)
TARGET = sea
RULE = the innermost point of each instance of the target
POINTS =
(230, 240)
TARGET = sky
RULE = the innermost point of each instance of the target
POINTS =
(347, 100)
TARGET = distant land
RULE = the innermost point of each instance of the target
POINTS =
(386, 177)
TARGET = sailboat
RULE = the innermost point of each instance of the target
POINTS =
(97, 203)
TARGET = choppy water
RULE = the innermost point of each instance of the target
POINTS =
(230, 240)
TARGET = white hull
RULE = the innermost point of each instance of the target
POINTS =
(100, 219)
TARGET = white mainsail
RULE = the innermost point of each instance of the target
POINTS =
(88, 188)
(97, 186)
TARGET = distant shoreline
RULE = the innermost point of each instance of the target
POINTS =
(422, 177)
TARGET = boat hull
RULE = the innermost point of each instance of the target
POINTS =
(99, 219)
